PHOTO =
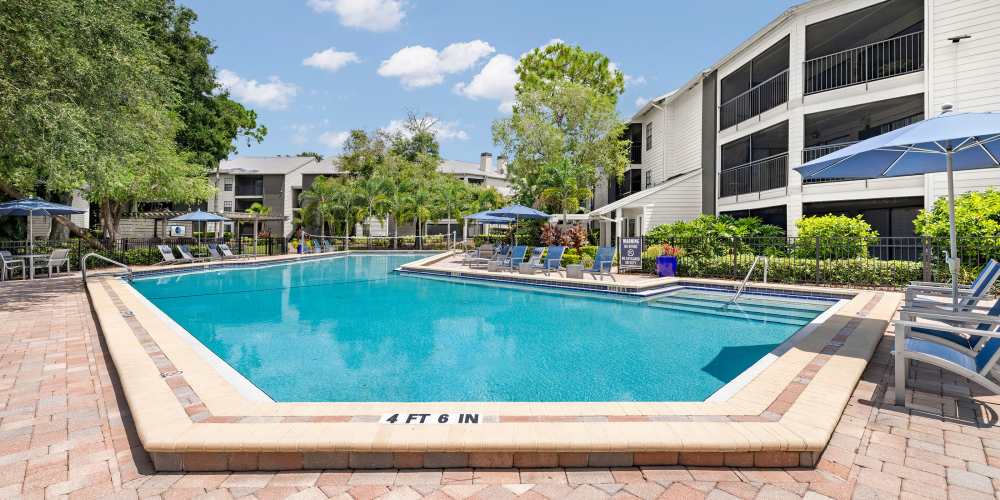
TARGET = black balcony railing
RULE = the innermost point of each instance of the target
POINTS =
(875, 61)
(766, 95)
(760, 175)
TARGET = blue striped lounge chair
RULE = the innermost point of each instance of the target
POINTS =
(602, 263)
(515, 259)
(923, 294)
(553, 259)
(953, 357)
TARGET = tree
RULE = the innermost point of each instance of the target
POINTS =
(362, 153)
(564, 109)
(417, 140)
(346, 202)
(421, 205)
(313, 154)
(564, 187)
(257, 210)
(371, 192)
(400, 178)
(549, 66)
(453, 198)
(319, 200)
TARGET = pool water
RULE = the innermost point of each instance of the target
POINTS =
(350, 329)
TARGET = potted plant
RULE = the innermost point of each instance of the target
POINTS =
(666, 263)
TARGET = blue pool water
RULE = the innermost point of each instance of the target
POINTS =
(349, 329)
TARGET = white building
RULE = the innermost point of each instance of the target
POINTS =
(824, 74)
(484, 172)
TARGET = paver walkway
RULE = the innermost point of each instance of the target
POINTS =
(65, 430)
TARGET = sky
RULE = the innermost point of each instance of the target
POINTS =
(315, 69)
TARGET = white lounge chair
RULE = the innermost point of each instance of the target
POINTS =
(966, 362)
(58, 258)
(227, 253)
(168, 256)
(924, 294)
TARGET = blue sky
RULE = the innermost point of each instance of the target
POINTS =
(315, 69)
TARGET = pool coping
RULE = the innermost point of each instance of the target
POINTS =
(189, 417)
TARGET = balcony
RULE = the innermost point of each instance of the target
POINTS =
(875, 61)
(766, 95)
(760, 175)
(811, 153)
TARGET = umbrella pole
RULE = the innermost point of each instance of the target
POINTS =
(952, 232)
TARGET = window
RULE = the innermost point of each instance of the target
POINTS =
(296, 194)
(227, 206)
(227, 184)
(649, 179)
(649, 136)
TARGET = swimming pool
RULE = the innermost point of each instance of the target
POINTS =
(350, 329)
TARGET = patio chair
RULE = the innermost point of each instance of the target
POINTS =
(498, 256)
(602, 263)
(536, 256)
(227, 253)
(168, 255)
(214, 252)
(922, 294)
(327, 247)
(553, 259)
(484, 251)
(515, 259)
(186, 254)
(8, 264)
(934, 332)
(972, 365)
(58, 258)
(317, 248)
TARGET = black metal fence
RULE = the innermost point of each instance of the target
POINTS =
(873, 262)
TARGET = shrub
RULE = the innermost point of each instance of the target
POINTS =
(570, 256)
(977, 223)
(837, 237)
(710, 235)
(574, 236)
(550, 235)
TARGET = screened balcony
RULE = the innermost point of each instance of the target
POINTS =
(755, 87)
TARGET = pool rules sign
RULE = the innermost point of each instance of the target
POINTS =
(429, 418)
(629, 253)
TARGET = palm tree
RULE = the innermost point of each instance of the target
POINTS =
(257, 210)
(453, 198)
(398, 200)
(318, 201)
(371, 191)
(421, 206)
(346, 202)
(563, 187)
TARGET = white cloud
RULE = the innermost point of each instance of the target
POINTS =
(495, 81)
(640, 101)
(372, 15)
(634, 81)
(444, 131)
(334, 139)
(274, 94)
(418, 66)
(331, 59)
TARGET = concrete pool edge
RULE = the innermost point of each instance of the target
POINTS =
(195, 420)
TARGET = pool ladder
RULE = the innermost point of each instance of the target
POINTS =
(743, 285)
(83, 265)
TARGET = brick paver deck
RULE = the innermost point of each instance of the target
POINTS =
(65, 430)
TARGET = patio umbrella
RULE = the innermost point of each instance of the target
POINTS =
(30, 207)
(484, 218)
(518, 212)
(947, 142)
(200, 216)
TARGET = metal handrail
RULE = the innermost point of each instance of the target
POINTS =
(743, 285)
(766, 95)
(872, 61)
(83, 264)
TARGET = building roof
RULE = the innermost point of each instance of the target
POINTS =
(264, 165)
(455, 167)
(649, 104)
(628, 201)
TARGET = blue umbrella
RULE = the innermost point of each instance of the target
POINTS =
(30, 207)
(199, 216)
(518, 212)
(486, 218)
(947, 142)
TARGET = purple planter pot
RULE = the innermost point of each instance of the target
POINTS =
(666, 265)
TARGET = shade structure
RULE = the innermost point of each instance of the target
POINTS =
(516, 211)
(30, 207)
(944, 143)
(485, 218)
(200, 216)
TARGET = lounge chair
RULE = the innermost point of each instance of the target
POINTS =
(485, 251)
(186, 254)
(215, 252)
(227, 253)
(536, 256)
(8, 264)
(316, 248)
(168, 255)
(972, 365)
(515, 259)
(934, 333)
(553, 259)
(55, 260)
(603, 261)
(498, 256)
(327, 247)
(922, 294)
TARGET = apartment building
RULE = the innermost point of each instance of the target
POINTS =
(823, 75)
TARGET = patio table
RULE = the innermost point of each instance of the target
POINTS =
(30, 258)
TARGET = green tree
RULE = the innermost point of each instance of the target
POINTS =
(417, 140)
(313, 154)
(564, 109)
(257, 210)
(362, 153)
(422, 206)
(318, 201)
(453, 198)
(347, 203)
(564, 187)
(400, 177)
(372, 194)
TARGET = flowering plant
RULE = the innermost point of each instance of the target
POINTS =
(672, 250)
